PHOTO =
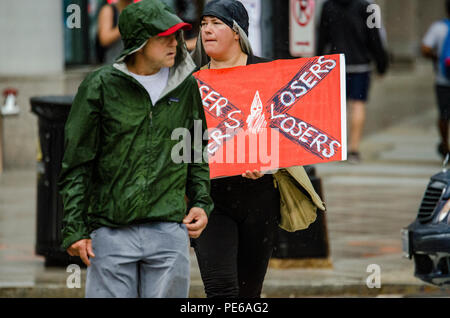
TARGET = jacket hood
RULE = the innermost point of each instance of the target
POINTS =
(144, 19)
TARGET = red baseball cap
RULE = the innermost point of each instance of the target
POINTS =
(175, 28)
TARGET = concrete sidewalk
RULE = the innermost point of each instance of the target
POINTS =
(368, 204)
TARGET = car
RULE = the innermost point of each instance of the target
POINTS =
(427, 239)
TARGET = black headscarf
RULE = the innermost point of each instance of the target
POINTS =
(227, 11)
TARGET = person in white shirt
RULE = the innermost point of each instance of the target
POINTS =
(432, 46)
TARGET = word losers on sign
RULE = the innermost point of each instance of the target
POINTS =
(275, 115)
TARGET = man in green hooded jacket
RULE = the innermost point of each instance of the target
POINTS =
(123, 194)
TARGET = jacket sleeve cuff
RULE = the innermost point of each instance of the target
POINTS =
(69, 240)
(207, 207)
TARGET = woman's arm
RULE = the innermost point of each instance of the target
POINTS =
(107, 32)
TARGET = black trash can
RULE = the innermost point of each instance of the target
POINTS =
(310, 243)
(52, 112)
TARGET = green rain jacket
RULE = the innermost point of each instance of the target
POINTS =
(117, 168)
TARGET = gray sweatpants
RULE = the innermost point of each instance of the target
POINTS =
(146, 260)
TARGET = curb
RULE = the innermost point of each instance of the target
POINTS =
(269, 291)
(350, 290)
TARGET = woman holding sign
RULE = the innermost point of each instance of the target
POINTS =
(234, 250)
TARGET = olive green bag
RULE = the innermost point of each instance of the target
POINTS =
(298, 209)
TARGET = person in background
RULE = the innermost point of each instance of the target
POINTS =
(435, 44)
(108, 42)
(344, 29)
(188, 11)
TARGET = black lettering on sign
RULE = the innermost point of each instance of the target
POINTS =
(311, 74)
(220, 107)
(304, 134)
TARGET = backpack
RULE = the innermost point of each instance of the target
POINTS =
(444, 58)
(99, 49)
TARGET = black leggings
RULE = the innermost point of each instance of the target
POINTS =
(443, 100)
(233, 251)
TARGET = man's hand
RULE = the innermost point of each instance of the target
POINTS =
(83, 249)
(253, 175)
(195, 221)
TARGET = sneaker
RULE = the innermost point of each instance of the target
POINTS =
(353, 157)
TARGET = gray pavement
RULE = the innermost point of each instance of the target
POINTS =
(367, 204)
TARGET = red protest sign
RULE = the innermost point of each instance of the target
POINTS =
(275, 115)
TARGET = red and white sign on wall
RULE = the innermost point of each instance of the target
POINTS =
(301, 27)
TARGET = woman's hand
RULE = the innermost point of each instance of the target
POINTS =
(252, 175)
